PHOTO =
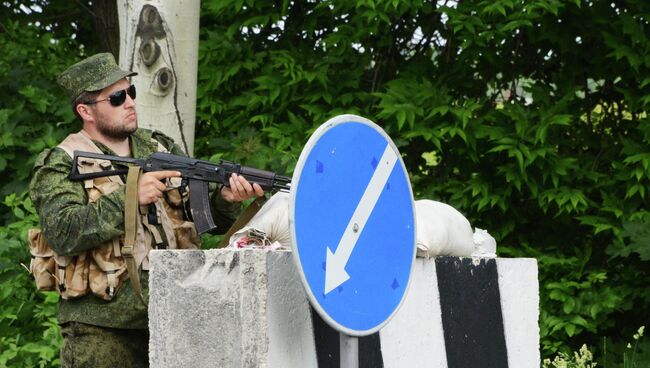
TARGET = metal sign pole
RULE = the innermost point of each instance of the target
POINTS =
(349, 351)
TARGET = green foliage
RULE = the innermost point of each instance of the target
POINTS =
(633, 355)
(630, 356)
(34, 114)
(580, 359)
(29, 333)
(626, 353)
(530, 117)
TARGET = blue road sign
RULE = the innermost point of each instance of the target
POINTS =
(352, 224)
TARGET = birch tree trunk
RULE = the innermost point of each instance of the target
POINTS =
(160, 41)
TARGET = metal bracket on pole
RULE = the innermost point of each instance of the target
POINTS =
(349, 351)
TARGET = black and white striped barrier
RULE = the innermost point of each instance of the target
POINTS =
(227, 308)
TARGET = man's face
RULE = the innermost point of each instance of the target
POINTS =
(115, 122)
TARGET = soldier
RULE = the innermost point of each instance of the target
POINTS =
(103, 322)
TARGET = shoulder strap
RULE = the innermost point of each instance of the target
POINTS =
(130, 231)
(243, 219)
(78, 141)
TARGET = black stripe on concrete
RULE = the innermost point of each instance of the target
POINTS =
(328, 347)
(327, 342)
(470, 305)
(370, 352)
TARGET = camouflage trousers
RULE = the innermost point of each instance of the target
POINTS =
(93, 346)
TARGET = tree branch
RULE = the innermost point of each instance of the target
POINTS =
(84, 7)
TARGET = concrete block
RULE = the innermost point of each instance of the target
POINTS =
(228, 308)
(247, 308)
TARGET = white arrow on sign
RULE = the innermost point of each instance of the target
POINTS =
(335, 273)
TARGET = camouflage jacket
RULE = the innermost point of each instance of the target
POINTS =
(72, 225)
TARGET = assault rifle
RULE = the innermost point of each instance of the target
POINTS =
(196, 173)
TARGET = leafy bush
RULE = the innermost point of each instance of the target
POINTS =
(35, 114)
(580, 359)
(633, 356)
(29, 333)
(530, 117)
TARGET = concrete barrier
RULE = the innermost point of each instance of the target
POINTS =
(247, 308)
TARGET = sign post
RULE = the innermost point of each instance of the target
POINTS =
(353, 227)
(349, 347)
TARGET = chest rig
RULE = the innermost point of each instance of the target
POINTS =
(102, 270)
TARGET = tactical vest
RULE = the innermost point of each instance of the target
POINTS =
(102, 270)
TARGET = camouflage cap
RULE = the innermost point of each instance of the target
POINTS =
(91, 74)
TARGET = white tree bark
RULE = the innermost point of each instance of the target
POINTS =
(160, 41)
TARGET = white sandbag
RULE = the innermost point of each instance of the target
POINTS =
(273, 219)
(442, 230)
(484, 244)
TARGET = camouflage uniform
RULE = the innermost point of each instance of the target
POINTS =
(94, 328)
(91, 346)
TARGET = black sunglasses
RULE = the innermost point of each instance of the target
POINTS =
(117, 98)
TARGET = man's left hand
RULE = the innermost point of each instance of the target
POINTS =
(240, 189)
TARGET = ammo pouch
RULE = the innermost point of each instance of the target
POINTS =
(42, 265)
(107, 270)
(185, 233)
(98, 270)
(66, 275)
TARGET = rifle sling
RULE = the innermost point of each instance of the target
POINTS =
(243, 219)
(130, 228)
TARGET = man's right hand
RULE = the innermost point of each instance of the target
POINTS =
(151, 187)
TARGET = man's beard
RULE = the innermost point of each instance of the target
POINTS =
(116, 132)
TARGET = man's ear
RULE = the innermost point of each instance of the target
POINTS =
(85, 112)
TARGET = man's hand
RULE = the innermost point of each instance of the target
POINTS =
(150, 186)
(240, 189)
